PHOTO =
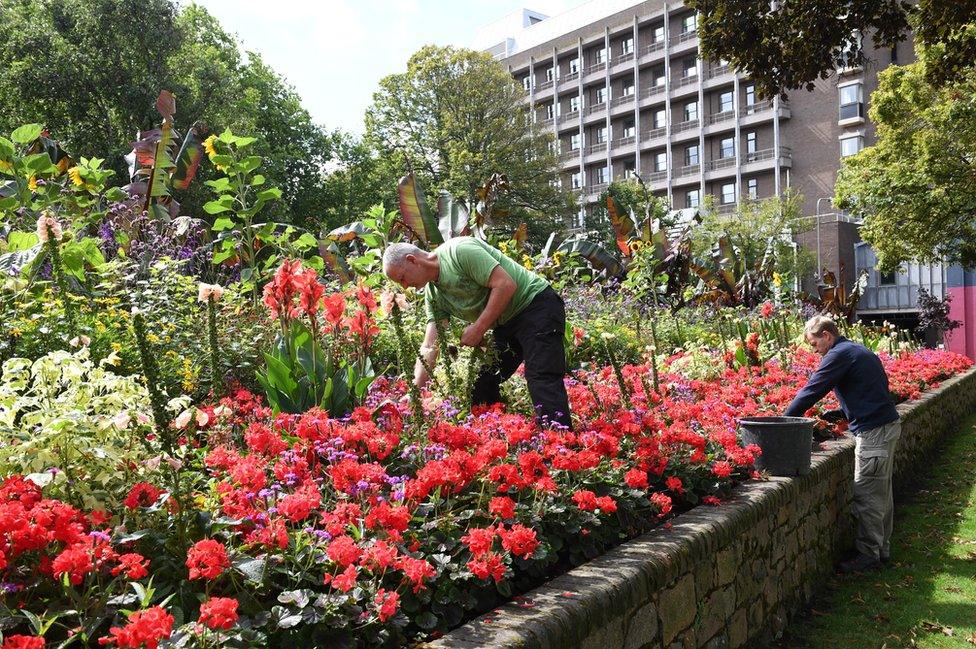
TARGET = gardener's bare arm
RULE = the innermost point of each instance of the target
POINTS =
(428, 351)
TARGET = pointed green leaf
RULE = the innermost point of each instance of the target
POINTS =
(27, 133)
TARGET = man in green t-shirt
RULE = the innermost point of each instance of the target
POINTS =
(468, 279)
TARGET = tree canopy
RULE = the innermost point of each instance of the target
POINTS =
(90, 71)
(456, 117)
(916, 188)
(788, 44)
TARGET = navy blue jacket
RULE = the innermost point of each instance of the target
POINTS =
(858, 379)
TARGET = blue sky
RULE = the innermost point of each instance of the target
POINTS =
(334, 52)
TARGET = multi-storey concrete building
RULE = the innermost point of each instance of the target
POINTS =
(622, 87)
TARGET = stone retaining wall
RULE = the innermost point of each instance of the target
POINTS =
(723, 576)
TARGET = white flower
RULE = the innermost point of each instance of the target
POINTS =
(122, 420)
(606, 335)
(202, 418)
(80, 341)
(182, 420)
(222, 411)
(208, 291)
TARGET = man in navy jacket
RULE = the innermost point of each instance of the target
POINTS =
(858, 380)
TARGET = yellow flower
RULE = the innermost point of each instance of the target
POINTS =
(32, 184)
(777, 280)
(116, 347)
(209, 147)
(5, 165)
(75, 174)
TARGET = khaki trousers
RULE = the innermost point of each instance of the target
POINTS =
(874, 453)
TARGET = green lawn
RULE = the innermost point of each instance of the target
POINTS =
(927, 596)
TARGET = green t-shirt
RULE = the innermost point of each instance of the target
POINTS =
(461, 288)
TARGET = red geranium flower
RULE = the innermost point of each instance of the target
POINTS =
(207, 559)
(219, 612)
(145, 629)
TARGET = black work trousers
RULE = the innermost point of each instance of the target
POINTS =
(535, 336)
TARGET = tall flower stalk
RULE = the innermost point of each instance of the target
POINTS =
(50, 234)
(396, 316)
(209, 294)
(150, 370)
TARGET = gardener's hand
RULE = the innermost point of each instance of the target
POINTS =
(473, 336)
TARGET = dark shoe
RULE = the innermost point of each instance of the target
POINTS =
(860, 563)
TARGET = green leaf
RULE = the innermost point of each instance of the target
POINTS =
(27, 133)
(279, 374)
(453, 217)
(6, 149)
(223, 255)
(40, 163)
(223, 223)
(220, 185)
(250, 163)
(216, 207)
(257, 181)
(269, 194)
(17, 241)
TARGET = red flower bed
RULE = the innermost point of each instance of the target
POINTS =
(310, 527)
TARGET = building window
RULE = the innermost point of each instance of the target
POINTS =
(550, 111)
(574, 142)
(689, 23)
(603, 175)
(753, 188)
(659, 80)
(851, 145)
(661, 161)
(600, 96)
(577, 180)
(549, 74)
(627, 90)
(628, 129)
(728, 193)
(574, 66)
(725, 102)
(627, 46)
(690, 68)
(851, 105)
(574, 104)
(657, 35)
(894, 55)
(601, 135)
(660, 118)
(691, 155)
(750, 96)
(600, 56)
(629, 168)
(527, 83)
(751, 142)
(691, 111)
(727, 147)
(887, 279)
(693, 198)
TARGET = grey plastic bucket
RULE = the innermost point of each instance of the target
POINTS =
(785, 443)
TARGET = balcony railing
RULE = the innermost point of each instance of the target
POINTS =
(596, 108)
(687, 170)
(758, 107)
(545, 85)
(624, 141)
(684, 126)
(684, 37)
(570, 76)
(596, 189)
(721, 163)
(653, 47)
(653, 90)
(653, 133)
(719, 117)
(718, 71)
(766, 154)
(565, 117)
(595, 67)
(655, 176)
(545, 123)
(596, 148)
(629, 56)
(684, 81)
(726, 208)
(626, 99)
(569, 155)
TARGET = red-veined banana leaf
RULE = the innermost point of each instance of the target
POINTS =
(598, 256)
(414, 212)
(189, 157)
(486, 196)
(453, 217)
(330, 254)
(623, 225)
(348, 232)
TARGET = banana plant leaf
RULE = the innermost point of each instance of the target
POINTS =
(452, 217)
(414, 212)
(189, 157)
(486, 196)
(623, 225)
(598, 256)
(348, 232)
(330, 254)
